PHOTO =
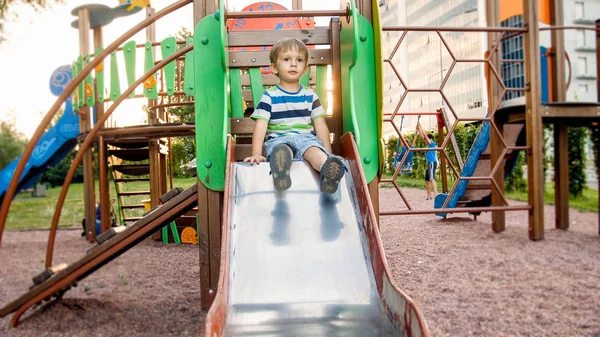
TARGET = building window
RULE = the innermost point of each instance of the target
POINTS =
(579, 13)
(580, 38)
(583, 88)
(582, 65)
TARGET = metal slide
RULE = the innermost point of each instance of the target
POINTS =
(103, 253)
(299, 263)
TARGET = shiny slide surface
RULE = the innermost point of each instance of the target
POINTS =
(298, 262)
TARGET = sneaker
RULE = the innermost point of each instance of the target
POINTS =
(280, 162)
(332, 172)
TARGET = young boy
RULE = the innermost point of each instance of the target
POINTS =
(431, 156)
(293, 120)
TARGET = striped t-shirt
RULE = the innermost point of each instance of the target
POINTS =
(288, 113)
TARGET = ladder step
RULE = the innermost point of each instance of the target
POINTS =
(133, 170)
(130, 154)
(133, 193)
(130, 180)
(132, 206)
(132, 219)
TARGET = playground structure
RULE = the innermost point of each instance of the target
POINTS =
(222, 131)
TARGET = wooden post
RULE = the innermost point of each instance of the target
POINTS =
(364, 8)
(442, 158)
(209, 208)
(84, 125)
(561, 136)
(494, 95)
(533, 124)
(102, 150)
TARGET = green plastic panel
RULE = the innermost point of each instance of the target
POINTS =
(150, 91)
(129, 54)
(81, 86)
(305, 80)
(235, 93)
(321, 87)
(168, 46)
(89, 87)
(379, 80)
(256, 85)
(188, 70)
(115, 84)
(99, 72)
(75, 97)
(212, 122)
(358, 90)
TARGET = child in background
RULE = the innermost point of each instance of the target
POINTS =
(293, 121)
(431, 156)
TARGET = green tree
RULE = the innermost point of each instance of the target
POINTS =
(13, 142)
(55, 175)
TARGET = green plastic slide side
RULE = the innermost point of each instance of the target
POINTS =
(168, 46)
(99, 71)
(115, 84)
(321, 86)
(235, 93)
(256, 85)
(150, 91)
(89, 86)
(211, 100)
(129, 52)
(358, 90)
(188, 70)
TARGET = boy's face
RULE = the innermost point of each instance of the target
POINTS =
(290, 66)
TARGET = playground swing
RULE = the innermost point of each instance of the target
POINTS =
(399, 154)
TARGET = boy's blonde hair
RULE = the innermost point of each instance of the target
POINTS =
(286, 44)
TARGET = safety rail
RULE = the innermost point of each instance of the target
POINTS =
(505, 33)
(70, 88)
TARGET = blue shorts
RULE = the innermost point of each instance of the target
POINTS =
(430, 172)
(298, 143)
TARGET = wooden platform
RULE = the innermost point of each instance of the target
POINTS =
(569, 113)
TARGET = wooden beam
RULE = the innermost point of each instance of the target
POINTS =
(203, 8)
(533, 124)
(253, 59)
(494, 95)
(89, 194)
(257, 38)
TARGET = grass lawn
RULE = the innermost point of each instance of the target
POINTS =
(588, 202)
(27, 212)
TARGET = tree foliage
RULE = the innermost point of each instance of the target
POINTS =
(55, 175)
(12, 143)
(5, 6)
(577, 160)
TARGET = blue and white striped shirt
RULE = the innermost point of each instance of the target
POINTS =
(288, 113)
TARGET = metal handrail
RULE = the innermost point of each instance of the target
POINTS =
(12, 187)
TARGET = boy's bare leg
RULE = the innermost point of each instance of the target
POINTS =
(434, 187)
(316, 157)
(428, 188)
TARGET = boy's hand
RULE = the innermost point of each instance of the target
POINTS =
(255, 159)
